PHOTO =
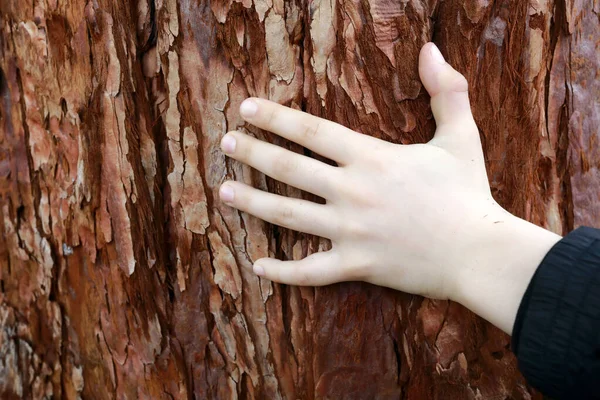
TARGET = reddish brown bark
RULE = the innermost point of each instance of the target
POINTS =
(121, 275)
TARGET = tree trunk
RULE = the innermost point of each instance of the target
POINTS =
(123, 276)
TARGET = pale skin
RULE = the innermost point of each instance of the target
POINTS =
(417, 218)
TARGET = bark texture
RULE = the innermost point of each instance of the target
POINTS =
(122, 276)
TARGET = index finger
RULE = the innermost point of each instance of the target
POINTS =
(324, 137)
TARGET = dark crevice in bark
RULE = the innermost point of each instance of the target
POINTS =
(64, 351)
(90, 40)
(8, 133)
(398, 359)
(162, 167)
(559, 29)
(243, 386)
(3, 88)
(30, 163)
(287, 314)
(153, 37)
(305, 51)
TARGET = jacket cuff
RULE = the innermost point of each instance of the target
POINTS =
(556, 336)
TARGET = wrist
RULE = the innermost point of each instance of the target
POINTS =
(501, 256)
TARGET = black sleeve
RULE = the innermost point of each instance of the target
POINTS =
(556, 335)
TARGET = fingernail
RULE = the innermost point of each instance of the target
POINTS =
(437, 55)
(258, 270)
(226, 193)
(248, 108)
(228, 144)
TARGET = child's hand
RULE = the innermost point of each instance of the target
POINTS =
(397, 215)
(417, 218)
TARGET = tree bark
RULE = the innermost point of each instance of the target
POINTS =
(123, 276)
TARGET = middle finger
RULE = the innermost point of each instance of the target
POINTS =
(286, 166)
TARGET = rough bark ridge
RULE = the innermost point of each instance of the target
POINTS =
(122, 276)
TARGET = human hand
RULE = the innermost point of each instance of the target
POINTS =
(397, 216)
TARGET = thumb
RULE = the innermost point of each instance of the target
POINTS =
(449, 91)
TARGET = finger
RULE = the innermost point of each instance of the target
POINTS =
(299, 215)
(326, 138)
(449, 93)
(286, 166)
(315, 270)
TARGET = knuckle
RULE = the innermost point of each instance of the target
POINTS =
(460, 83)
(377, 158)
(284, 216)
(327, 181)
(311, 129)
(354, 229)
(302, 277)
(379, 165)
(379, 161)
(283, 166)
(243, 146)
(364, 198)
(346, 190)
(270, 116)
(357, 270)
